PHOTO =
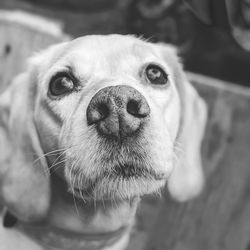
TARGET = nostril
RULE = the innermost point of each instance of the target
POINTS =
(103, 110)
(97, 113)
(133, 107)
(138, 108)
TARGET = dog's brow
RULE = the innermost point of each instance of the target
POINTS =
(141, 50)
(71, 70)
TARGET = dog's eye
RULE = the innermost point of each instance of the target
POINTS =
(61, 85)
(156, 75)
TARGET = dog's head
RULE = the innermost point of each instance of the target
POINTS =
(114, 116)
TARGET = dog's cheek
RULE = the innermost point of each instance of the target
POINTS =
(48, 127)
(160, 144)
(81, 157)
(166, 123)
(171, 116)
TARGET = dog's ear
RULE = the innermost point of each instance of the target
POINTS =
(186, 180)
(24, 180)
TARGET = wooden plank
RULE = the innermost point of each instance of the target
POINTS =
(20, 35)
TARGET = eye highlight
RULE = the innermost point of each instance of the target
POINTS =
(156, 75)
(61, 84)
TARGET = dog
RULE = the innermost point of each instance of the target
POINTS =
(90, 127)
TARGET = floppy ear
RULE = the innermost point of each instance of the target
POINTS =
(186, 180)
(24, 184)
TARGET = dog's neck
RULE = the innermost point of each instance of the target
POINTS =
(91, 217)
(75, 224)
(53, 238)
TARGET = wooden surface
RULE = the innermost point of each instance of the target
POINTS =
(21, 35)
(220, 218)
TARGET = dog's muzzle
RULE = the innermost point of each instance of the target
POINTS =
(118, 111)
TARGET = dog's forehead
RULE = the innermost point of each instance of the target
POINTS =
(109, 48)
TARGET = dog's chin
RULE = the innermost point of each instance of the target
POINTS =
(121, 183)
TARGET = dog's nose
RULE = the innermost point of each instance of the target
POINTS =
(118, 111)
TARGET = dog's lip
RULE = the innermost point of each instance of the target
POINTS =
(79, 192)
(129, 170)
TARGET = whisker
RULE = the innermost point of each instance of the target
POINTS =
(74, 198)
(58, 163)
(72, 184)
(81, 179)
(54, 152)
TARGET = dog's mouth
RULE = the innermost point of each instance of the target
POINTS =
(135, 179)
(127, 171)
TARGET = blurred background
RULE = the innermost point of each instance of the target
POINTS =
(209, 48)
